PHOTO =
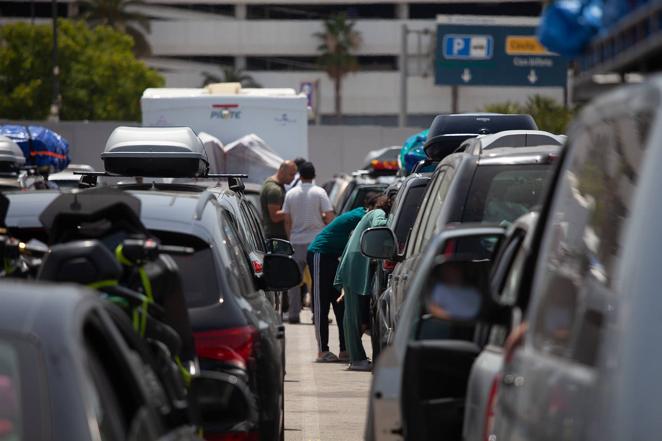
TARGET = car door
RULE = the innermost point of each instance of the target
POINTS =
(549, 383)
(421, 234)
(438, 354)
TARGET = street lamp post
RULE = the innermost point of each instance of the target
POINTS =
(55, 105)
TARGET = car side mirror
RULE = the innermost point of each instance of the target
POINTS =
(280, 272)
(279, 246)
(221, 400)
(379, 243)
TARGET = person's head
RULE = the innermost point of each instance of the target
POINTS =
(286, 172)
(299, 162)
(307, 171)
(383, 202)
(370, 199)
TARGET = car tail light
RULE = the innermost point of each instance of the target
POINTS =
(489, 410)
(388, 265)
(234, 346)
(376, 164)
(233, 436)
(257, 266)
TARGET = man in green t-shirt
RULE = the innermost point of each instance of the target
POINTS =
(272, 196)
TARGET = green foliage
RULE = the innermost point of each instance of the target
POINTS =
(549, 115)
(231, 75)
(100, 78)
(118, 15)
(338, 41)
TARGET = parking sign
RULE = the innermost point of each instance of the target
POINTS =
(468, 47)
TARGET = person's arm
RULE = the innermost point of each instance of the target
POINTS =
(275, 213)
(288, 224)
(326, 208)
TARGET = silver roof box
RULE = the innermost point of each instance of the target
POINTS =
(11, 155)
(175, 152)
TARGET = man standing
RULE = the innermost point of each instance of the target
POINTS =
(272, 196)
(306, 211)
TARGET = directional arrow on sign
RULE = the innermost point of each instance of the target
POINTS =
(533, 78)
(466, 75)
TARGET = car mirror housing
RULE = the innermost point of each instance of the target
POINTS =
(379, 243)
(280, 272)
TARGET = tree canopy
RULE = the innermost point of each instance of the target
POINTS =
(100, 78)
(548, 114)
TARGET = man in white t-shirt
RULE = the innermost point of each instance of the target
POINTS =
(307, 209)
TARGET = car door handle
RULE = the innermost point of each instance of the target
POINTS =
(513, 380)
(395, 278)
(280, 332)
(405, 277)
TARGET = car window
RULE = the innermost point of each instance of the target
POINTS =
(256, 225)
(407, 214)
(582, 240)
(361, 195)
(423, 214)
(199, 274)
(435, 206)
(239, 261)
(23, 390)
(501, 193)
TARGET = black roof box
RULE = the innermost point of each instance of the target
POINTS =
(174, 152)
(447, 132)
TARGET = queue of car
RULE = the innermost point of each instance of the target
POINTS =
(528, 309)
(174, 332)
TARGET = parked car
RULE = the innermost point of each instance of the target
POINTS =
(496, 186)
(420, 379)
(359, 189)
(406, 203)
(383, 161)
(510, 138)
(66, 372)
(585, 362)
(66, 178)
(505, 276)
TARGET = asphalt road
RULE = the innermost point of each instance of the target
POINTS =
(323, 401)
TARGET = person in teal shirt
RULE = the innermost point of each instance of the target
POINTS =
(354, 276)
(323, 255)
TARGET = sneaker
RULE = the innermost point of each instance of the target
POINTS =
(327, 357)
(363, 366)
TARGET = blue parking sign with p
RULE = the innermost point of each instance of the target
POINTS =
(468, 47)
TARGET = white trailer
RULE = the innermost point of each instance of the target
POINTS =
(278, 116)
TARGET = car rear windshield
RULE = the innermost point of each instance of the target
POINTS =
(200, 279)
(502, 193)
(361, 195)
(23, 394)
(485, 123)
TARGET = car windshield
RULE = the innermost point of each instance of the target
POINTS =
(22, 396)
(500, 194)
(198, 271)
(361, 195)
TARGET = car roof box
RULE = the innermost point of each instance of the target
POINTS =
(447, 132)
(11, 155)
(174, 152)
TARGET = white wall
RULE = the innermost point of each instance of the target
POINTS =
(269, 37)
(377, 93)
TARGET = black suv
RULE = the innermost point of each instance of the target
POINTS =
(495, 187)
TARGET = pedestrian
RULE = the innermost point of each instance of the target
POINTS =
(355, 279)
(323, 256)
(272, 196)
(306, 211)
(297, 178)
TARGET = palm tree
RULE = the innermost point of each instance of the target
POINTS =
(117, 14)
(231, 75)
(337, 42)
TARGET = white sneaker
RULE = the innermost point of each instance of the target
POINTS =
(363, 366)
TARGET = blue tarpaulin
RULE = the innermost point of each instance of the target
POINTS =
(40, 146)
(412, 151)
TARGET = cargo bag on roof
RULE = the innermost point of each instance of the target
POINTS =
(40, 146)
